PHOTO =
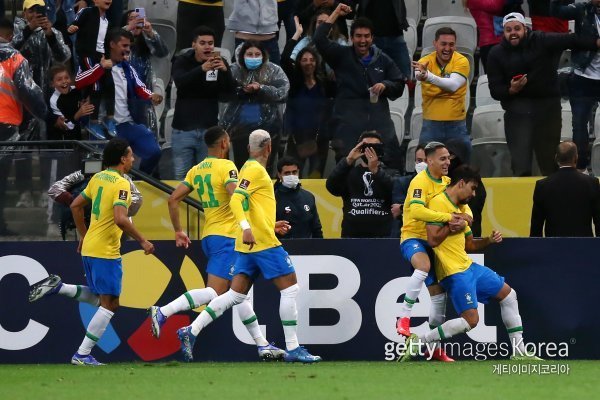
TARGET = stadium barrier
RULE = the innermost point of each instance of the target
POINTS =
(348, 302)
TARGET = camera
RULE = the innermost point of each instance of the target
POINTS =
(40, 10)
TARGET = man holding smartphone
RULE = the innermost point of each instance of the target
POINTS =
(365, 188)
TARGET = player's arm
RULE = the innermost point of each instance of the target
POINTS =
(418, 210)
(78, 211)
(437, 232)
(122, 221)
(474, 245)
(236, 204)
(181, 239)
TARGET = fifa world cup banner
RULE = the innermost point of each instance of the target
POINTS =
(350, 296)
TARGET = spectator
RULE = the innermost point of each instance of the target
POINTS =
(365, 189)
(17, 89)
(584, 82)
(366, 78)
(543, 19)
(307, 111)
(286, 9)
(256, 20)
(260, 87)
(566, 189)
(127, 87)
(388, 33)
(485, 12)
(444, 76)
(147, 43)
(522, 76)
(294, 204)
(307, 9)
(194, 13)
(201, 77)
(401, 184)
(91, 26)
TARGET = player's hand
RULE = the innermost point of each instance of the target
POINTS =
(396, 210)
(248, 238)
(148, 247)
(496, 237)
(354, 154)
(516, 85)
(106, 63)
(467, 218)
(80, 245)
(282, 227)
(182, 240)
(156, 99)
(372, 160)
(72, 29)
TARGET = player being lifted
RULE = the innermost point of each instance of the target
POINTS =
(259, 252)
(466, 282)
(413, 243)
(110, 195)
(215, 179)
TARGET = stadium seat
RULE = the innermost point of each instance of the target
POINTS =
(166, 10)
(462, 50)
(565, 59)
(162, 66)
(416, 123)
(168, 132)
(483, 97)
(398, 120)
(488, 122)
(566, 132)
(228, 41)
(410, 155)
(400, 105)
(173, 95)
(465, 27)
(410, 36)
(413, 10)
(159, 87)
(596, 157)
(491, 156)
(442, 8)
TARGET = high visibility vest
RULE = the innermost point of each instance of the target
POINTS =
(11, 110)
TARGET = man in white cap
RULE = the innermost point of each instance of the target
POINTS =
(259, 252)
(522, 76)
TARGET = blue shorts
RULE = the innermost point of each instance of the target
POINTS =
(412, 246)
(477, 284)
(220, 251)
(103, 275)
(272, 263)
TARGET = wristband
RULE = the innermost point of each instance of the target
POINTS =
(245, 225)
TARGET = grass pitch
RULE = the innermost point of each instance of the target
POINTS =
(327, 380)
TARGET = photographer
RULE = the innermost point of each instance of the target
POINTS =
(365, 188)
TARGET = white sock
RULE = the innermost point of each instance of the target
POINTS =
(188, 301)
(288, 312)
(250, 321)
(448, 329)
(79, 293)
(95, 330)
(413, 288)
(215, 309)
(509, 309)
(437, 312)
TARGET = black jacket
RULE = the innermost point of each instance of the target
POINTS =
(88, 21)
(367, 200)
(566, 202)
(298, 207)
(399, 10)
(306, 10)
(197, 104)
(537, 56)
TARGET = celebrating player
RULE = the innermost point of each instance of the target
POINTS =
(413, 243)
(215, 179)
(110, 195)
(259, 251)
(467, 282)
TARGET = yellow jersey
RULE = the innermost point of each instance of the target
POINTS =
(450, 256)
(210, 179)
(438, 104)
(254, 201)
(106, 189)
(416, 213)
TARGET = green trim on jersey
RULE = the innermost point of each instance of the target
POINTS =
(188, 185)
(416, 201)
(242, 192)
(436, 223)
(85, 196)
(120, 203)
(431, 177)
(450, 200)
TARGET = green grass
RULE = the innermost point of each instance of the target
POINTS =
(264, 381)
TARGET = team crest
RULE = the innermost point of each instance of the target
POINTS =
(122, 194)
(468, 298)
(244, 184)
(233, 174)
(417, 193)
(232, 270)
(306, 207)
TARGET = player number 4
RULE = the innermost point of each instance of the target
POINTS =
(96, 205)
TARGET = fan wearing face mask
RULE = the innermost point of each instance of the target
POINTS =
(294, 204)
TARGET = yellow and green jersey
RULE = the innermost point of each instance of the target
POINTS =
(210, 179)
(106, 189)
(416, 213)
(254, 201)
(450, 255)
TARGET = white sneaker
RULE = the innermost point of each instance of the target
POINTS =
(25, 200)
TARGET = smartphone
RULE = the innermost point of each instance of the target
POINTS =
(141, 14)
(377, 147)
(215, 54)
(517, 77)
(40, 10)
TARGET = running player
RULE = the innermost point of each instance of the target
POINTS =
(215, 179)
(110, 195)
(259, 251)
(467, 282)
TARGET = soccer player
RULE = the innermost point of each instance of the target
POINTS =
(259, 251)
(467, 282)
(413, 243)
(110, 195)
(215, 179)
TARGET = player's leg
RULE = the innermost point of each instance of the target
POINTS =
(54, 285)
(437, 316)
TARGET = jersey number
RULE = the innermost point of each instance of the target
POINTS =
(200, 182)
(96, 205)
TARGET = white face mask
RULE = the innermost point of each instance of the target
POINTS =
(422, 166)
(290, 181)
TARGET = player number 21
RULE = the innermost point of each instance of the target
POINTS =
(200, 182)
